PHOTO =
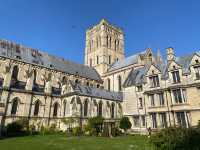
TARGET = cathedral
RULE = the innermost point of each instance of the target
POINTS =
(151, 91)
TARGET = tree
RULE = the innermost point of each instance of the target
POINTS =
(125, 123)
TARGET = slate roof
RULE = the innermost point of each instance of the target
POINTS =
(184, 61)
(126, 61)
(96, 92)
(30, 55)
(135, 77)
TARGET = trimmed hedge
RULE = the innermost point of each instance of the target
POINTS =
(176, 138)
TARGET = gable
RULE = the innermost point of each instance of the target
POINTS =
(172, 65)
(152, 70)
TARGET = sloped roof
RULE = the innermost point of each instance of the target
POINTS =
(184, 61)
(126, 62)
(135, 77)
(96, 92)
(29, 55)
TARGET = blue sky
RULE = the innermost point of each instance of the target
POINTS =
(58, 26)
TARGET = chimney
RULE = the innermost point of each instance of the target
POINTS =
(170, 54)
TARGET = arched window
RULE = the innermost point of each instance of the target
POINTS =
(119, 83)
(107, 41)
(100, 109)
(97, 60)
(15, 73)
(34, 76)
(55, 110)
(76, 81)
(15, 104)
(85, 108)
(110, 42)
(64, 107)
(112, 110)
(108, 82)
(37, 108)
(109, 59)
(115, 45)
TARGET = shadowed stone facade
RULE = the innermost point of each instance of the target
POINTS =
(152, 92)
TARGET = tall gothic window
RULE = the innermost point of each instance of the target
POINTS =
(109, 59)
(34, 76)
(55, 110)
(37, 108)
(97, 60)
(64, 107)
(110, 42)
(15, 104)
(119, 83)
(15, 73)
(85, 108)
(112, 110)
(100, 109)
(115, 45)
(108, 82)
(107, 41)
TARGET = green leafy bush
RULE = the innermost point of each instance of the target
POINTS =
(95, 125)
(125, 123)
(17, 128)
(77, 131)
(174, 138)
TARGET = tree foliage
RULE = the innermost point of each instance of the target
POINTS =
(125, 123)
(175, 138)
(95, 124)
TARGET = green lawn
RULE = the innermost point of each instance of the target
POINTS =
(61, 142)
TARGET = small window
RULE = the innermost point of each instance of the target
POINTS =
(14, 107)
(37, 108)
(154, 81)
(97, 60)
(139, 88)
(109, 59)
(161, 99)
(197, 72)
(140, 103)
(176, 76)
(152, 100)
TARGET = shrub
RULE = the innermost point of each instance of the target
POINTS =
(77, 131)
(125, 123)
(95, 125)
(17, 128)
(174, 138)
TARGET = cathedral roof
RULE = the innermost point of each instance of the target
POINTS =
(85, 90)
(126, 62)
(34, 56)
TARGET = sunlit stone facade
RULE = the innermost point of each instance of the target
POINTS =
(152, 92)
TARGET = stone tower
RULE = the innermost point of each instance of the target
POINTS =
(104, 46)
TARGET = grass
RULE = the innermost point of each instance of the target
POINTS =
(61, 142)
